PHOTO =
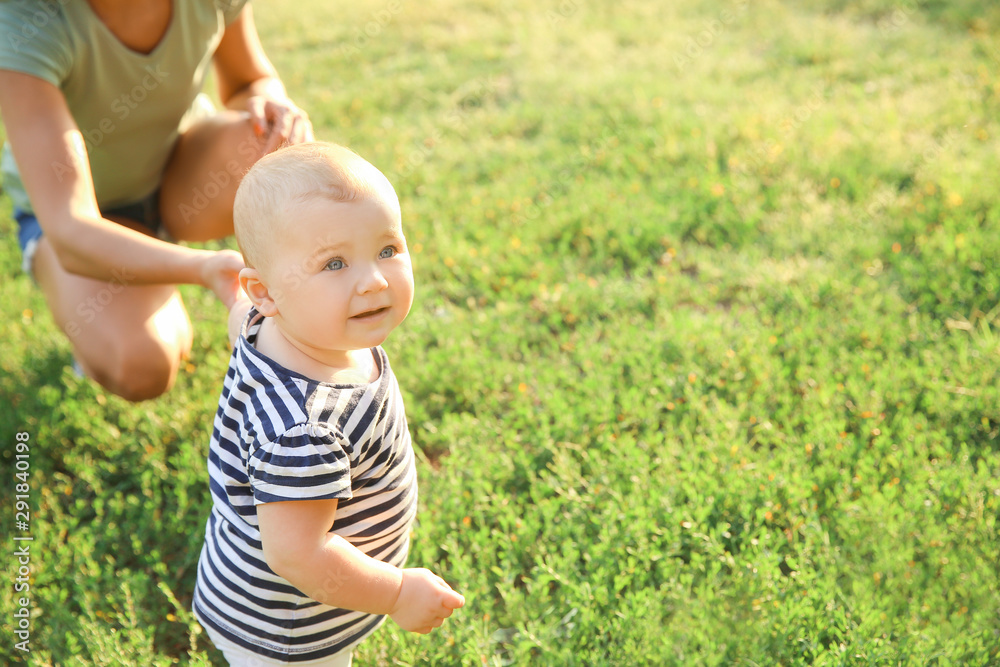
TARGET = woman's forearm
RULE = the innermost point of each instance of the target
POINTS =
(104, 250)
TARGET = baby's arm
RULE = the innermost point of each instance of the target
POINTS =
(299, 547)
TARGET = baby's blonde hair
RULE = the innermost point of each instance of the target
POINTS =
(295, 174)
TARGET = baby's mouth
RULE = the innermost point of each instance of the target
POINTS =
(375, 312)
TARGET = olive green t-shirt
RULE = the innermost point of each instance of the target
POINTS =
(130, 107)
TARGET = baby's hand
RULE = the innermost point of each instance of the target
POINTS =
(425, 600)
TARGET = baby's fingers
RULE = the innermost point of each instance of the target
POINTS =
(452, 600)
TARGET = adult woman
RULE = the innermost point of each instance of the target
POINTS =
(111, 150)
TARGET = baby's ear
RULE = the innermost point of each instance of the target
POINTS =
(260, 295)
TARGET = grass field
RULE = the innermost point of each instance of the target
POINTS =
(703, 364)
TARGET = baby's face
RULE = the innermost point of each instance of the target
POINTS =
(340, 275)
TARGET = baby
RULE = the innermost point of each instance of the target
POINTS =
(310, 464)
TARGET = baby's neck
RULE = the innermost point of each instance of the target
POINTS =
(350, 367)
(363, 372)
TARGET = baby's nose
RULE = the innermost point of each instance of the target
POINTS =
(373, 281)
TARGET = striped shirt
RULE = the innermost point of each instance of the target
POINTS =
(280, 436)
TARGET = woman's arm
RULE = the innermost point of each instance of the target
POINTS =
(51, 157)
(247, 81)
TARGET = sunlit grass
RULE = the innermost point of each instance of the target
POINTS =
(703, 363)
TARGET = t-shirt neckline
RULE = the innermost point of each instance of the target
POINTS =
(250, 329)
(164, 38)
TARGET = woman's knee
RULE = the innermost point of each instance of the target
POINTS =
(140, 363)
(137, 371)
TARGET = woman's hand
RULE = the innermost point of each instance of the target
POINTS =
(280, 121)
(221, 274)
(247, 80)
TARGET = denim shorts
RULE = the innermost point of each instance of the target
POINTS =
(146, 212)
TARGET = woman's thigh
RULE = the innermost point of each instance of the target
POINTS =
(200, 181)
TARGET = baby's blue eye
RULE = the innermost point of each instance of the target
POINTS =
(334, 265)
(387, 252)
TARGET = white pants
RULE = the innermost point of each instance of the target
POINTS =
(237, 656)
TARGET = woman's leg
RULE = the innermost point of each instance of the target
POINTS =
(130, 339)
(199, 184)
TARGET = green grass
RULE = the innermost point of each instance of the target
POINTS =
(703, 366)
